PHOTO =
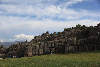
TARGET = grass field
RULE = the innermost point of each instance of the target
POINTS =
(89, 59)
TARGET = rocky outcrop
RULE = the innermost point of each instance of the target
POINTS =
(75, 39)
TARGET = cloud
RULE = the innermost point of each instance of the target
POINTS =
(15, 26)
(71, 2)
(50, 12)
(1, 41)
(9, 24)
(23, 37)
(34, 17)
(64, 3)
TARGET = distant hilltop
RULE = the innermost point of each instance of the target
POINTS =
(7, 44)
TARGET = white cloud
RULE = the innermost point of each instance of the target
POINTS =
(29, 24)
(15, 17)
(17, 25)
(51, 11)
(23, 37)
(68, 3)
(64, 3)
(1, 41)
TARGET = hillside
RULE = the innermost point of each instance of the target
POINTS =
(71, 40)
(6, 44)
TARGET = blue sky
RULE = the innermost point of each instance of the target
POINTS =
(24, 19)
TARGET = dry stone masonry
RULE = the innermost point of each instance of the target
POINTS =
(71, 40)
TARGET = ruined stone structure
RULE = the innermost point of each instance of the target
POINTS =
(71, 40)
(2, 52)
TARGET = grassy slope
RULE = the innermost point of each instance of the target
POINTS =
(69, 60)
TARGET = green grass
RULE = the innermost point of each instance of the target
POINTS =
(89, 59)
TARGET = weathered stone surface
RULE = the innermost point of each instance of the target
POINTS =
(75, 39)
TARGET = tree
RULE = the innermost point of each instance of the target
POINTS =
(78, 26)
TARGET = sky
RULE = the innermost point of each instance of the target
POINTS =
(24, 19)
